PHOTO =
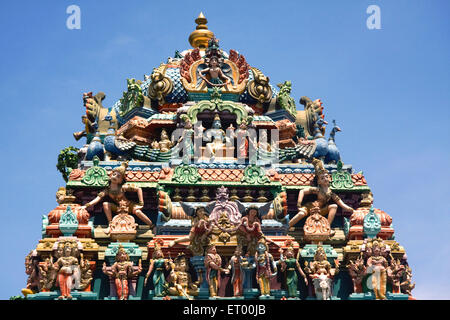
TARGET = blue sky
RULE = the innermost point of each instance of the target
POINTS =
(388, 90)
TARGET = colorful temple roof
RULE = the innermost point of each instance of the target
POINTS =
(205, 171)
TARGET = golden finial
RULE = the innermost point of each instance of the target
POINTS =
(200, 37)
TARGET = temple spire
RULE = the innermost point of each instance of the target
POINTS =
(199, 38)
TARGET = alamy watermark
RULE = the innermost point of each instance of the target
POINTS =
(73, 22)
(373, 22)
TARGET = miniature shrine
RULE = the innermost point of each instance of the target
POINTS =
(205, 181)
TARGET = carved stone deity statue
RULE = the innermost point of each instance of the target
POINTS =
(218, 136)
(180, 282)
(237, 275)
(266, 267)
(122, 271)
(290, 264)
(328, 200)
(377, 266)
(322, 274)
(158, 264)
(68, 269)
(116, 192)
(213, 263)
(165, 143)
(199, 235)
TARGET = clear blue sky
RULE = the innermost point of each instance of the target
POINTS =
(388, 90)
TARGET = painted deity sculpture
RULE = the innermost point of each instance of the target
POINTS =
(122, 271)
(237, 275)
(165, 143)
(213, 263)
(185, 142)
(250, 232)
(213, 74)
(218, 138)
(328, 200)
(32, 270)
(116, 192)
(322, 274)
(357, 270)
(180, 282)
(68, 269)
(377, 267)
(222, 205)
(265, 267)
(290, 264)
(199, 235)
(158, 264)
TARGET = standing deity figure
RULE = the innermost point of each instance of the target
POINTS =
(121, 271)
(290, 264)
(158, 264)
(67, 268)
(186, 140)
(237, 275)
(218, 138)
(199, 235)
(377, 266)
(327, 200)
(116, 192)
(266, 267)
(165, 143)
(213, 263)
(322, 274)
(242, 140)
(180, 282)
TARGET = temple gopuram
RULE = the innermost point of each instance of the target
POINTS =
(206, 181)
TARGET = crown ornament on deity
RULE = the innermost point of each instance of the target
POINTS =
(318, 167)
(122, 169)
(121, 250)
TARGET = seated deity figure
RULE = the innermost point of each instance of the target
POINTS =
(180, 283)
(213, 263)
(116, 192)
(201, 228)
(165, 143)
(213, 74)
(266, 267)
(121, 271)
(218, 138)
(327, 200)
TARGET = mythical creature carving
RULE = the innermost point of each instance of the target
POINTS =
(160, 86)
(259, 88)
(284, 99)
